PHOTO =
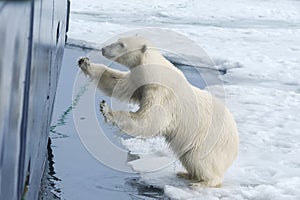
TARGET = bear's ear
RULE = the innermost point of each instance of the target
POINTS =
(144, 48)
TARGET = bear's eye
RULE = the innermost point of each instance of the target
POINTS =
(122, 44)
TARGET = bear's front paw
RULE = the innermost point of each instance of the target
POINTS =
(84, 63)
(106, 112)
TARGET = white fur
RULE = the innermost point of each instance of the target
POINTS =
(198, 127)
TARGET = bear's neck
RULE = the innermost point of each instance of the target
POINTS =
(152, 67)
(154, 57)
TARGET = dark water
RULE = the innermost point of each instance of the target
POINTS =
(72, 173)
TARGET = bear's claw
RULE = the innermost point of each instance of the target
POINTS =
(106, 112)
(83, 63)
(102, 105)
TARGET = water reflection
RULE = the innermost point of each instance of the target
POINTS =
(49, 190)
(136, 190)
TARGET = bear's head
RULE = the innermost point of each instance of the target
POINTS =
(128, 51)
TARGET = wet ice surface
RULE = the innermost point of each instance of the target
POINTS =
(260, 41)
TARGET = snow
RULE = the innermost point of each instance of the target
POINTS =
(258, 43)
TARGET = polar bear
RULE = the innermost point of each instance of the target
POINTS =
(197, 126)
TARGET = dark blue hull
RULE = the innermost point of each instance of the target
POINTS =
(32, 38)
